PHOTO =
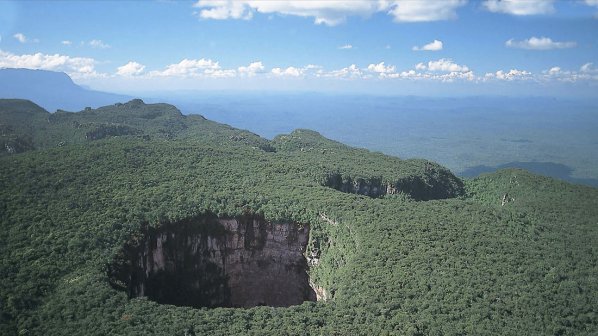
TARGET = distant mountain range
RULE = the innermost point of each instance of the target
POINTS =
(52, 90)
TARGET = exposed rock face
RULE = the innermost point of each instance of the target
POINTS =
(433, 184)
(217, 262)
(372, 187)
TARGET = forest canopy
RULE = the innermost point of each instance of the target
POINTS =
(403, 247)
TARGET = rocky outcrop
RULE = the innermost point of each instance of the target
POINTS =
(431, 184)
(372, 187)
(208, 261)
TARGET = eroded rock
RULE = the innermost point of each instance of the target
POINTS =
(208, 261)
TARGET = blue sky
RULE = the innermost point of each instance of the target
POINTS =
(425, 47)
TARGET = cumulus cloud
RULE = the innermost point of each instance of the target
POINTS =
(20, 37)
(380, 68)
(588, 71)
(189, 68)
(556, 73)
(424, 10)
(98, 44)
(327, 12)
(330, 12)
(539, 43)
(421, 74)
(454, 75)
(351, 71)
(588, 67)
(513, 74)
(290, 72)
(346, 46)
(66, 42)
(221, 10)
(220, 73)
(76, 67)
(443, 64)
(252, 69)
(554, 70)
(432, 46)
(130, 69)
(441, 70)
(520, 7)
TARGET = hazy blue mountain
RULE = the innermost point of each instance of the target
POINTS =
(52, 90)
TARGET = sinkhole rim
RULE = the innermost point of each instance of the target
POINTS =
(206, 261)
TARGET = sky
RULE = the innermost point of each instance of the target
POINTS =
(387, 47)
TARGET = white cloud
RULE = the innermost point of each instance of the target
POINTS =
(252, 69)
(453, 75)
(420, 66)
(76, 67)
(432, 46)
(554, 70)
(588, 67)
(586, 72)
(556, 73)
(380, 68)
(443, 64)
(66, 42)
(513, 74)
(346, 46)
(131, 69)
(290, 71)
(539, 43)
(190, 68)
(220, 73)
(520, 7)
(221, 10)
(424, 10)
(98, 44)
(422, 71)
(20, 37)
(351, 71)
(331, 12)
(593, 3)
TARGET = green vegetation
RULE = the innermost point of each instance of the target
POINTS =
(458, 264)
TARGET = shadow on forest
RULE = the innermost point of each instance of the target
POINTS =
(551, 169)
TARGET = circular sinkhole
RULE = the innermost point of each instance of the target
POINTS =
(207, 261)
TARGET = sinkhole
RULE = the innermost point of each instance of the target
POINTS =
(207, 261)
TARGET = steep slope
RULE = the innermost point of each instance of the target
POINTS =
(19, 122)
(132, 119)
(360, 171)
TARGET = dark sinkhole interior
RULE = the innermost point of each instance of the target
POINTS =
(208, 261)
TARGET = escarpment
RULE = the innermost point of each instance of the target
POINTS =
(432, 184)
(208, 261)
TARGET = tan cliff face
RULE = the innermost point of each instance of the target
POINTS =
(244, 261)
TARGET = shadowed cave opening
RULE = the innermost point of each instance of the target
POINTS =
(207, 261)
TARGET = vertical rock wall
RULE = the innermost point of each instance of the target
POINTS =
(207, 261)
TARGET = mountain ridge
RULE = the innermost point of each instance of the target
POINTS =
(52, 90)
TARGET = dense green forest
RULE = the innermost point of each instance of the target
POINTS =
(404, 247)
